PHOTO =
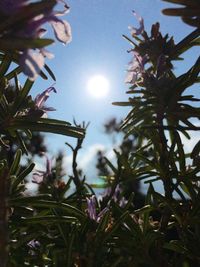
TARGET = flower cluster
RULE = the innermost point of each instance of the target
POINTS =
(39, 108)
(136, 68)
(92, 209)
(154, 49)
(137, 31)
(32, 59)
(117, 196)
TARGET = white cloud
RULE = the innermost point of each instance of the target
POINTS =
(86, 157)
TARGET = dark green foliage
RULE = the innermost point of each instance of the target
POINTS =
(64, 223)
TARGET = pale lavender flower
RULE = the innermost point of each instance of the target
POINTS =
(34, 245)
(91, 209)
(31, 62)
(42, 98)
(123, 202)
(33, 29)
(38, 108)
(42, 176)
(61, 28)
(117, 198)
(140, 30)
(136, 68)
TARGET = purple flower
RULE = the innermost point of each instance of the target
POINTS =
(62, 30)
(42, 98)
(117, 193)
(140, 30)
(32, 60)
(34, 244)
(39, 109)
(31, 63)
(91, 209)
(42, 176)
(117, 198)
(136, 68)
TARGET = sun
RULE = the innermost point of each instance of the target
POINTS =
(98, 86)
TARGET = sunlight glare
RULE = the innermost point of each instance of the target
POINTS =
(98, 86)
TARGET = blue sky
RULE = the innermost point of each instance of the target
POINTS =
(98, 48)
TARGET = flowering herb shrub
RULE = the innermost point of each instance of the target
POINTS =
(65, 223)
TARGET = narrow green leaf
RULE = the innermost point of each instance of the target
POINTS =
(55, 121)
(123, 104)
(184, 43)
(180, 152)
(196, 150)
(5, 64)
(129, 40)
(146, 208)
(4, 105)
(22, 175)
(23, 93)
(111, 166)
(50, 72)
(184, 188)
(189, 188)
(103, 224)
(13, 73)
(15, 165)
(39, 202)
(185, 12)
(20, 44)
(28, 134)
(148, 202)
(48, 219)
(29, 200)
(130, 201)
(21, 143)
(43, 75)
(175, 245)
(43, 125)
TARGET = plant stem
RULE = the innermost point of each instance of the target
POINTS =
(3, 217)
(76, 179)
(165, 165)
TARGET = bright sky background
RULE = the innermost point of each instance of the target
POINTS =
(98, 48)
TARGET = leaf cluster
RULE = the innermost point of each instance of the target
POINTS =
(65, 223)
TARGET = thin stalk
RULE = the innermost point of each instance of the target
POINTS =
(3, 217)
(76, 178)
(165, 165)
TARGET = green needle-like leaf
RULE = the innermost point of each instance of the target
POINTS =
(20, 44)
(46, 125)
